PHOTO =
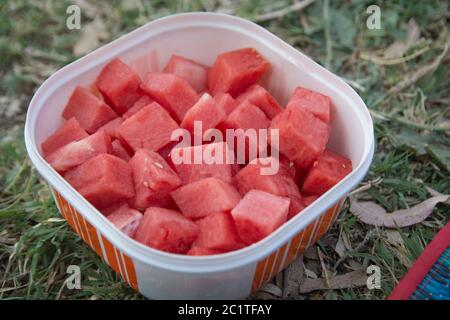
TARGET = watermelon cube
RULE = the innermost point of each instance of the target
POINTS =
(151, 128)
(68, 132)
(126, 219)
(118, 150)
(77, 152)
(153, 179)
(201, 198)
(193, 72)
(226, 101)
(234, 71)
(302, 136)
(246, 116)
(111, 127)
(103, 180)
(318, 104)
(280, 184)
(213, 162)
(90, 111)
(218, 232)
(205, 111)
(172, 92)
(137, 106)
(326, 172)
(258, 214)
(166, 230)
(198, 251)
(119, 85)
(261, 98)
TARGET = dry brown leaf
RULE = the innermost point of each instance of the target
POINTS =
(394, 237)
(293, 277)
(297, 6)
(418, 74)
(310, 274)
(272, 289)
(349, 280)
(90, 37)
(373, 214)
(87, 7)
(311, 253)
(399, 48)
(340, 247)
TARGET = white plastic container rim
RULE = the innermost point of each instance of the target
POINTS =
(182, 263)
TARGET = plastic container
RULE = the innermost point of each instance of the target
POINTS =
(202, 36)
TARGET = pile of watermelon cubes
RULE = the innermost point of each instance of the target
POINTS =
(115, 149)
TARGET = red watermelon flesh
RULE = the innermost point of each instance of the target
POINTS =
(108, 210)
(234, 71)
(307, 200)
(218, 232)
(68, 132)
(318, 104)
(172, 92)
(326, 172)
(126, 219)
(193, 72)
(296, 206)
(153, 178)
(287, 166)
(118, 150)
(201, 198)
(103, 180)
(90, 111)
(246, 116)
(280, 184)
(258, 214)
(77, 152)
(226, 101)
(166, 230)
(302, 136)
(111, 127)
(198, 251)
(166, 151)
(137, 106)
(261, 98)
(206, 111)
(214, 152)
(119, 85)
(151, 128)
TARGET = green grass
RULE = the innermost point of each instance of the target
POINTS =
(413, 149)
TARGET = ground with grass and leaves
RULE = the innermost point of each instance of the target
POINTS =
(401, 71)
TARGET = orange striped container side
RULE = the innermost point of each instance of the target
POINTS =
(267, 268)
(115, 258)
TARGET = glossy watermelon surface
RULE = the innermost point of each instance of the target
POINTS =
(151, 128)
(201, 198)
(103, 180)
(166, 230)
(258, 214)
(172, 92)
(68, 132)
(119, 85)
(193, 72)
(90, 111)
